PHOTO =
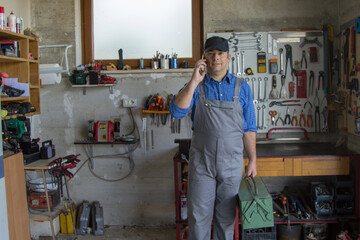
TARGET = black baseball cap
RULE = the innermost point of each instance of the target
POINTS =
(216, 42)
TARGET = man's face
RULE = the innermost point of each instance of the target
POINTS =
(216, 61)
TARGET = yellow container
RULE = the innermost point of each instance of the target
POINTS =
(66, 222)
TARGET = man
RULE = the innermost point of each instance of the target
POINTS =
(223, 122)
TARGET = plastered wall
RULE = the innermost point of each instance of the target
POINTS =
(146, 197)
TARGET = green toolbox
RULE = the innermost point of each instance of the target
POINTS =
(256, 208)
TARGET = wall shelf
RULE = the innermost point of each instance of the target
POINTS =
(24, 68)
(110, 86)
(147, 71)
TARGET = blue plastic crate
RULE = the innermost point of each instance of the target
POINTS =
(268, 233)
(325, 196)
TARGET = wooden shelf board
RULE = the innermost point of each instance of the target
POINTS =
(13, 99)
(7, 35)
(4, 58)
(43, 214)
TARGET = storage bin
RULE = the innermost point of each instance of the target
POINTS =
(268, 233)
(321, 192)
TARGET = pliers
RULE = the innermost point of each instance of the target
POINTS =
(287, 117)
(321, 77)
(289, 57)
(279, 118)
(302, 119)
(309, 120)
(294, 119)
(303, 58)
(311, 83)
(317, 112)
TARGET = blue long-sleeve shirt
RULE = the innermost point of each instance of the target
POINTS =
(223, 91)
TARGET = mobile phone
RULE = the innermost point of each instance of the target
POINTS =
(205, 70)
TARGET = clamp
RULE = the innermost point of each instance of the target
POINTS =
(279, 118)
(287, 117)
(303, 58)
(294, 119)
(302, 119)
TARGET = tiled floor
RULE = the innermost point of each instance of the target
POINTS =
(124, 233)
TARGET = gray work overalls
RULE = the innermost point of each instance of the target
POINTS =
(215, 166)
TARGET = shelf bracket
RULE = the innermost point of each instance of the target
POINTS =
(111, 89)
(84, 90)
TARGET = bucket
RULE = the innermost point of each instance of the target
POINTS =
(284, 232)
(37, 185)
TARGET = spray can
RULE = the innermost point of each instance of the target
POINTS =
(2, 18)
(183, 201)
(18, 25)
(12, 22)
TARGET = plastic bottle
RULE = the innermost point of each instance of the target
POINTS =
(12, 22)
(2, 17)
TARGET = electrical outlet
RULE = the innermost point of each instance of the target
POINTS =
(130, 102)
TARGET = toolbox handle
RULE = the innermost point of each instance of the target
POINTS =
(48, 141)
(255, 187)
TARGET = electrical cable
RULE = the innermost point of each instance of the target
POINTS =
(133, 121)
(119, 155)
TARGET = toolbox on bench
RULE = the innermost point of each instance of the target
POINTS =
(256, 208)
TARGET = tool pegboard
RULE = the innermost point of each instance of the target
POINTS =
(285, 71)
(348, 83)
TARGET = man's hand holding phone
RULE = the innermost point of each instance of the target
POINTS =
(199, 71)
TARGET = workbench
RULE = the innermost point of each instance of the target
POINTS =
(282, 159)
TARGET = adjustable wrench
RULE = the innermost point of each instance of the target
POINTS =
(281, 51)
(243, 62)
(238, 64)
(259, 89)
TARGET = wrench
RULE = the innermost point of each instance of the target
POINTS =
(253, 34)
(259, 48)
(263, 117)
(259, 89)
(253, 86)
(238, 64)
(265, 80)
(258, 117)
(233, 65)
(243, 62)
(281, 51)
(237, 41)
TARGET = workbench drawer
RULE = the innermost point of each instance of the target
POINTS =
(324, 165)
(269, 167)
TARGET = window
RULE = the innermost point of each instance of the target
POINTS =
(94, 38)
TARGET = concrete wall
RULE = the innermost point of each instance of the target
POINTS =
(258, 15)
(147, 195)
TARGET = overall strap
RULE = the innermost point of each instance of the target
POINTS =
(237, 89)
